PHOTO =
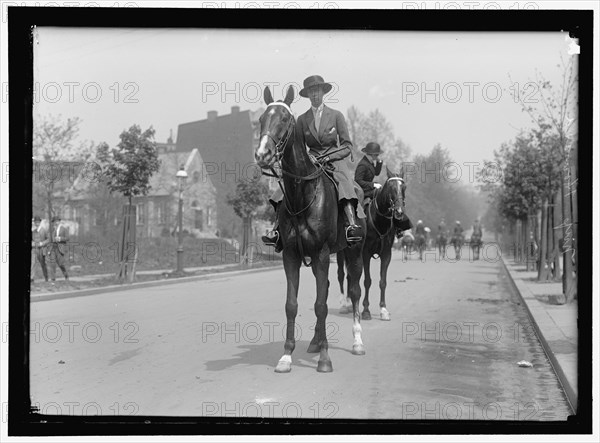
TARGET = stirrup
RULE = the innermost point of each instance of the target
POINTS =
(352, 239)
(271, 241)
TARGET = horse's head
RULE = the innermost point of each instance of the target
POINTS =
(393, 193)
(276, 127)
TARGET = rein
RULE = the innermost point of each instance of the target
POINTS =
(390, 218)
(280, 147)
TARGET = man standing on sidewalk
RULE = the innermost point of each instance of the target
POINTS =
(58, 249)
(39, 241)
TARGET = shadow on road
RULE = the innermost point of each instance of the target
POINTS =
(267, 354)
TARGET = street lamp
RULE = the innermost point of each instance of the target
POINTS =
(181, 177)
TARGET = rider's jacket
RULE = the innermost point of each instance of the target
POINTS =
(420, 229)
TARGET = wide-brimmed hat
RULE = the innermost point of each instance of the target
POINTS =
(372, 148)
(314, 80)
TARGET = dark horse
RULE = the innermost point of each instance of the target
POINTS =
(406, 244)
(457, 241)
(310, 226)
(442, 242)
(387, 204)
(475, 244)
(420, 243)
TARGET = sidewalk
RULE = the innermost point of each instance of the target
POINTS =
(202, 273)
(91, 277)
(555, 325)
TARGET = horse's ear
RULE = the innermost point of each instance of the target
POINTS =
(268, 96)
(289, 96)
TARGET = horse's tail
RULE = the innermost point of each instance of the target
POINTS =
(340, 271)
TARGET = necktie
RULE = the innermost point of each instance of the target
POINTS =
(317, 119)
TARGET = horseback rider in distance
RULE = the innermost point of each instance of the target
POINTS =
(323, 131)
(367, 169)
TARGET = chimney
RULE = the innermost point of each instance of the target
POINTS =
(212, 116)
(235, 109)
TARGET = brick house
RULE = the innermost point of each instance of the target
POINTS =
(96, 211)
(226, 144)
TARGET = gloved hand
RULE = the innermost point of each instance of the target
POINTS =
(377, 185)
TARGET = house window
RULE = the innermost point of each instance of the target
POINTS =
(198, 219)
(161, 212)
(98, 216)
(140, 212)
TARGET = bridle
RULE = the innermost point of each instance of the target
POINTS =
(394, 204)
(282, 142)
(280, 146)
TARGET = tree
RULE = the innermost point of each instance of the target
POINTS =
(55, 142)
(432, 192)
(247, 203)
(555, 114)
(128, 170)
(376, 128)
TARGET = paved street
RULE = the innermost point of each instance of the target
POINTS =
(209, 348)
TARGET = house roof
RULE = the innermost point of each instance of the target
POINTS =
(162, 183)
(220, 139)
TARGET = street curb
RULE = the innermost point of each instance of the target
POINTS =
(533, 305)
(48, 296)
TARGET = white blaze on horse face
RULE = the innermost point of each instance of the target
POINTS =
(262, 152)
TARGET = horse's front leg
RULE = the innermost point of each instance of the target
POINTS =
(320, 268)
(366, 259)
(386, 258)
(291, 264)
(345, 303)
(355, 261)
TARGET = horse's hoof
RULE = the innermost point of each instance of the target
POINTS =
(345, 309)
(366, 315)
(313, 348)
(358, 350)
(283, 367)
(385, 315)
(324, 366)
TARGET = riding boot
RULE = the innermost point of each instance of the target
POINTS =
(354, 232)
(273, 237)
(402, 224)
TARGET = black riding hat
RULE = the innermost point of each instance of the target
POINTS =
(372, 148)
(314, 80)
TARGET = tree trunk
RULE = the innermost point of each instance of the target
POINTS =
(542, 271)
(244, 245)
(556, 237)
(570, 229)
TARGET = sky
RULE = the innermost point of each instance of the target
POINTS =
(433, 87)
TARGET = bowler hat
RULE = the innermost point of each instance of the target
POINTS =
(372, 148)
(314, 80)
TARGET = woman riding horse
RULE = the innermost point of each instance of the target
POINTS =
(457, 238)
(323, 130)
(367, 169)
(311, 226)
(476, 238)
